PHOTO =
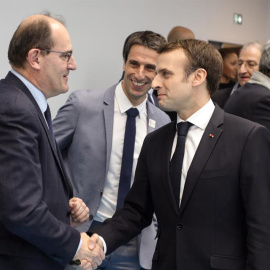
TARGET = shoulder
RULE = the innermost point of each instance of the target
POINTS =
(90, 97)
(236, 124)
(158, 114)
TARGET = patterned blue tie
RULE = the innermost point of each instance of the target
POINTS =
(177, 159)
(127, 158)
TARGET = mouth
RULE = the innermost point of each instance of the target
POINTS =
(139, 84)
(160, 95)
(244, 78)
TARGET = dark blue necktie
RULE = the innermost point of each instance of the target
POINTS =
(48, 118)
(177, 159)
(127, 158)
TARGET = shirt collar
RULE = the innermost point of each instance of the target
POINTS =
(36, 93)
(125, 104)
(202, 117)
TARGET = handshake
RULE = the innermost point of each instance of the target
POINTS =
(90, 254)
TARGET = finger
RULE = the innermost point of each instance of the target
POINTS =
(93, 240)
(86, 265)
(82, 216)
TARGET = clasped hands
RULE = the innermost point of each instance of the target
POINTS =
(91, 254)
(91, 251)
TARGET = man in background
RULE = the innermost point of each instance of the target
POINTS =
(248, 61)
(36, 197)
(252, 100)
(180, 33)
(91, 131)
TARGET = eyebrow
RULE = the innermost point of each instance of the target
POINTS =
(164, 69)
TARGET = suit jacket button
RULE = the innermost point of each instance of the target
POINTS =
(101, 192)
(91, 217)
(179, 226)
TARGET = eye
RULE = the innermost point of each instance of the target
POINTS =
(133, 64)
(66, 56)
(150, 68)
(251, 64)
(165, 74)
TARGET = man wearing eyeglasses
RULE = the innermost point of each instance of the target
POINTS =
(248, 62)
(252, 100)
(36, 198)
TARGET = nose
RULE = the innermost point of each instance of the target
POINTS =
(156, 83)
(242, 68)
(72, 65)
(140, 73)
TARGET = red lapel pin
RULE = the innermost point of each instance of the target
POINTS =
(211, 135)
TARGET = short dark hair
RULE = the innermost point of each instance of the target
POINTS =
(264, 66)
(227, 51)
(36, 34)
(200, 54)
(147, 39)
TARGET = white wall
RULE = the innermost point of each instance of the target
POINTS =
(98, 29)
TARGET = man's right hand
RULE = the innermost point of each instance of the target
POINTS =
(91, 252)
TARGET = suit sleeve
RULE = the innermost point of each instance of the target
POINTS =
(260, 111)
(23, 210)
(255, 190)
(65, 122)
(136, 213)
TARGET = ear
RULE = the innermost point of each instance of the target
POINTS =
(199, 77)
(33, 58)
(124, 65)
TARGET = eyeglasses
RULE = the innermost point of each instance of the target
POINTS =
(248, 64)
(65, 56)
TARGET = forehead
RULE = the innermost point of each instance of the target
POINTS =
(250, 54)
(60, 37)
(142, 54)
(231, 56)
(172, 60)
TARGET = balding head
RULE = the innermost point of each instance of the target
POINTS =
(180, 33)
(33, 32)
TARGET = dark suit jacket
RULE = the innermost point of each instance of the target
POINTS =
(252, 101)
(34, 191)
(224, 217)
(221, 96)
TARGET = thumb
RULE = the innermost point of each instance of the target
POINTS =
(93, 241)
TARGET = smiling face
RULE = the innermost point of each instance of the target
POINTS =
(249, 60)
(54, 71)
(139, 73)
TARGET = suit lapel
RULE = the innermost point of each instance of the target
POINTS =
(204, 150)
(167, 142)
(108, 119)
(20, 85)
(151, 118)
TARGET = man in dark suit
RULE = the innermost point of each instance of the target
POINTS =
(252, 101)
(36, 204)
(248, 62)
(222, 219)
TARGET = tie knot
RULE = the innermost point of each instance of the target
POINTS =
(182, 128)
(132, 112)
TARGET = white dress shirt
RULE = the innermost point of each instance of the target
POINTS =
(199, 120)
(109, 199)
